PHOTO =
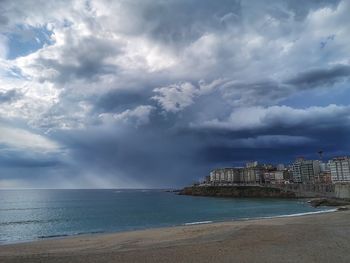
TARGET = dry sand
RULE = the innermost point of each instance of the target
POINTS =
(312, 238)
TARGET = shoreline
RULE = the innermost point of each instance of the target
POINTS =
(187, 224)
(323, 237)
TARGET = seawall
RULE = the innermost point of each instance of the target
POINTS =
(342, 191)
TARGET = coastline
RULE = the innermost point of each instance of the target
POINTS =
(327, 209)
(314, 238)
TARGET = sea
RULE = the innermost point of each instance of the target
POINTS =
(28, 215)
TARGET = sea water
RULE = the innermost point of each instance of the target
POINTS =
(27, 215)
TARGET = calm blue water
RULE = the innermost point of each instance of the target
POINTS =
(36, 214)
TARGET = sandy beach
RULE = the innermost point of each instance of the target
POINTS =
(311, 238)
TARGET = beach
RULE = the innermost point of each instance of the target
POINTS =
(310, 238)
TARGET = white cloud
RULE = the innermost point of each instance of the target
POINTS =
(137, 116)
(15, 138)
(176, 97)
(91, 52)
(36, 99)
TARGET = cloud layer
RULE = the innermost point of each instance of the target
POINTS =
(155, 93)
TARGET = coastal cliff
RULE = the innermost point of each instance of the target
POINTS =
(237, 191)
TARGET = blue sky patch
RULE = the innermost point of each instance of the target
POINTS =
(26, 40)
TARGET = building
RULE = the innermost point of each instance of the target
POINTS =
(251, 174)
(254, 173)
(324, 167)
(226, 176)
(340, 169)
(288, 175)
(251, 164)
(304, 171)
(324, 178)
(274, 177)
(280, 167)
(309, 169)
(296, 170)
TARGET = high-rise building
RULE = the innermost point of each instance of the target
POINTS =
(254, 172)
(324, 167)
(340, 169)
(304, 171)
(297, 170)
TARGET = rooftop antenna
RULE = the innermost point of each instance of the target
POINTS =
(320, 153)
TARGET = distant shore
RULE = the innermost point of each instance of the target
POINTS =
(310, 238)
(248, 191)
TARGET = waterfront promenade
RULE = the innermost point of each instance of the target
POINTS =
(311, 238)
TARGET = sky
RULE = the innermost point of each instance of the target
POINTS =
(156, 93)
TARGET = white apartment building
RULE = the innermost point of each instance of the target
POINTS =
(324, 167)
(340, 169)
(296, 171)
(304, 171)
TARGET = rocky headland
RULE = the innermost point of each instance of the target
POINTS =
(237, 191)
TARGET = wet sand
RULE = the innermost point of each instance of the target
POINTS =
(311, 238)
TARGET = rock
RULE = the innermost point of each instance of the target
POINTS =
(343, 208)
(328, 202)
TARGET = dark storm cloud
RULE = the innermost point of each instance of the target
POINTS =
(320, 77)
(160, 154)
(282, 144)
(16, 159)
(150, 156)
(267, 92)
(31, 168)
(278, 136)
(263, 92)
